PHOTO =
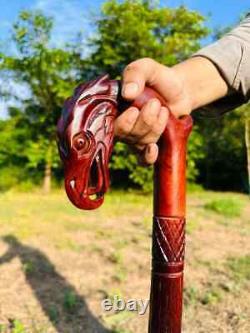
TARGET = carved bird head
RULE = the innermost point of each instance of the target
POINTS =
(85, 140)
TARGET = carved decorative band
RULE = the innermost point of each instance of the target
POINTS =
(168, 244)
(167, 268)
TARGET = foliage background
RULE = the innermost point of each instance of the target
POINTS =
(28, 154)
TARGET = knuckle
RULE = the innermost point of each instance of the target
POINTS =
(152, 138)
(123, 129)
(158, 128)
(126, 128)
(147, 60)
(130, 67)
(147, 119)
(134, 65)
(147, 122)
(155, 135)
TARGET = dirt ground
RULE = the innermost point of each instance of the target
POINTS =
(57, 263)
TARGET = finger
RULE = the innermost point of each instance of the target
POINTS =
(147, 71)
(146, 120)
(157, 128)
(136, 75)
(125, 122)
(151, 153)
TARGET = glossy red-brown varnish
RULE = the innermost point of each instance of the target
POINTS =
(169, 198)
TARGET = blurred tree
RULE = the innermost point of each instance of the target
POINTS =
(224, 165)
(15, 133)
(247, 136)
(129, 30)
(246, 117)
(226, 139)
(49, 75)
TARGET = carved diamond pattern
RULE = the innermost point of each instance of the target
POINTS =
(169, 238)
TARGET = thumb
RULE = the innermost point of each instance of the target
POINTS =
(136, 75)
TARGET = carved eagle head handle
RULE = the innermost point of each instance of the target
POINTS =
(85, 138)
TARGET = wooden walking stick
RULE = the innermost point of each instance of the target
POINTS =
(85, 141)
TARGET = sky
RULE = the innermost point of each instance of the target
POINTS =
(74, 15)
(69, 13)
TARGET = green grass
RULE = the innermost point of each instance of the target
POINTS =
(120, 330)
(28, 267)
(116, 257)
(17, 327)
(120, 274)
(70, 302)
(191, 226)
(228, 207)
(118, 238)
(191, 295)
(211, 296)
(239, 268)
(214, 291)
(117, 320)
(54, 219)
(53, 313)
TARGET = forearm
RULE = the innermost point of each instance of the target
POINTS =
(220, 70)
(202, 81)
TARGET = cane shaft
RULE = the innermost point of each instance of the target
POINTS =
(168, 224)
(169, 229)
(167, 275)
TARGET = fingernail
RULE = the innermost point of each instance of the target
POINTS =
(129, 89)
(154, 102)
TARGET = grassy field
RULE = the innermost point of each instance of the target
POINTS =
(58, 263)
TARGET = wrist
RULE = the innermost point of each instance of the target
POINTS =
(201, 80)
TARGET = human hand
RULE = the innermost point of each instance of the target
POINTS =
(142, 128)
